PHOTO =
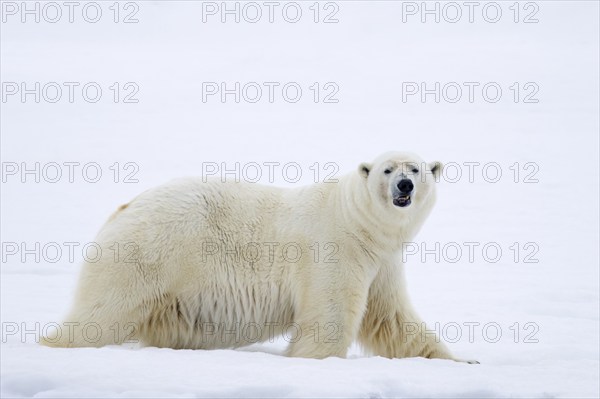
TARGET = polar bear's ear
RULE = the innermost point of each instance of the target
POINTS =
(436, 168)
(364, 169)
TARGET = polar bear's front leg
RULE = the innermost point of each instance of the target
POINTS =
(329, 313)
(390, 327)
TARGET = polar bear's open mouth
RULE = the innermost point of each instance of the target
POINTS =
(402, 201)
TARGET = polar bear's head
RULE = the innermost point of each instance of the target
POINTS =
(401, 182)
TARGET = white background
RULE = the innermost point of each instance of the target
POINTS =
(170, 132)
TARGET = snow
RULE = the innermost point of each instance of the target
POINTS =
(170, 132)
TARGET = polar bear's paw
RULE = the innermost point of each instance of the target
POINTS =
(467, 361)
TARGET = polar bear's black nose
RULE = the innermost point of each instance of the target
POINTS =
(405, 186)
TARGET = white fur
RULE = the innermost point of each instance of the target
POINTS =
(171, 291)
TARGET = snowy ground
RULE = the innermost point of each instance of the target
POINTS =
(550, 209)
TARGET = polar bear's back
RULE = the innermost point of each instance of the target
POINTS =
(187, 217)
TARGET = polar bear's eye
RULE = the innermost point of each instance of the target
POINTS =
(387, 171)
(415, 170)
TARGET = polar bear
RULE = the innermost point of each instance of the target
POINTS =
(209, 264)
